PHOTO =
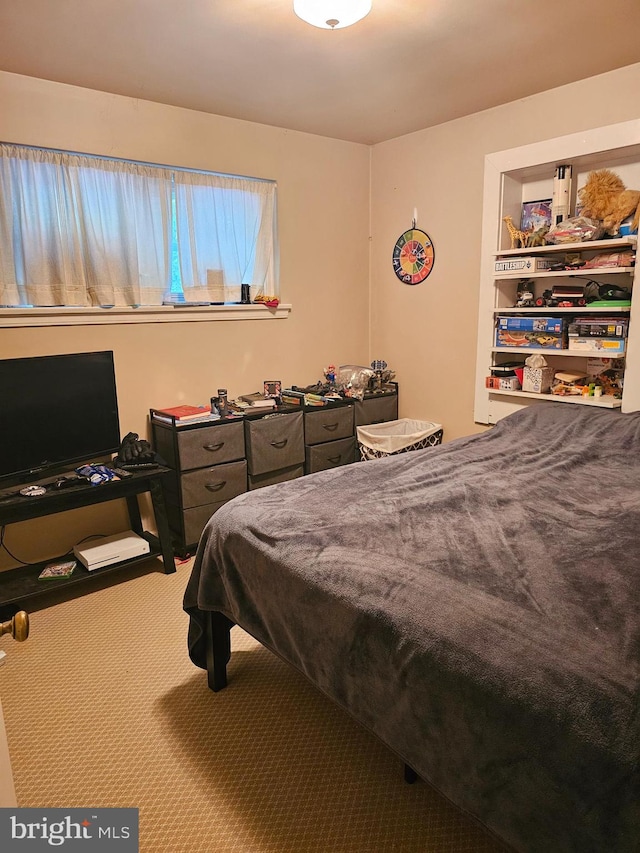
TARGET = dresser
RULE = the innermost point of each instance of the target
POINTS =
(329, 437)
(377, 408)
(213, 462)
(330, 433)
(209, 467)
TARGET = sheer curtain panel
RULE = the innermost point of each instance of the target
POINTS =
(226, 234)
(80, 230)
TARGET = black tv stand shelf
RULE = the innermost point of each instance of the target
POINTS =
(20, 585)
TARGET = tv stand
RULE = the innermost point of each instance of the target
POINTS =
(20, 586)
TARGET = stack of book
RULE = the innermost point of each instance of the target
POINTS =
(257, 400)
(293, 397)
(184, 414)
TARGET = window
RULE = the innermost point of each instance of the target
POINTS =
(78, 230)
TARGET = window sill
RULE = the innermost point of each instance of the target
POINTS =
(22, 317)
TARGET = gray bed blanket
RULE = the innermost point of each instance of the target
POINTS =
(475, 605)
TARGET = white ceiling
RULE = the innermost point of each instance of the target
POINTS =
(408, 65)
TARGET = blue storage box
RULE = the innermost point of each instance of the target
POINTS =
(531, 332)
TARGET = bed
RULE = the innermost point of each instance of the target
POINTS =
(474, 605)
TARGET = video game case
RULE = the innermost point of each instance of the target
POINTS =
(62, 569)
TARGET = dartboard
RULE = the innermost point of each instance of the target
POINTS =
(413, 256)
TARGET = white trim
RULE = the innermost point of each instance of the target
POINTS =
(23, 317)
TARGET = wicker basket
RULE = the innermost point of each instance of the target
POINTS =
(376, 441)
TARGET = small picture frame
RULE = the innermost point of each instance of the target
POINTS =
(273, 388)
(536, 214)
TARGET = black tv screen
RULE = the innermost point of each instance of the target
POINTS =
(56, 410)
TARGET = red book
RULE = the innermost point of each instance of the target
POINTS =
(185, 412)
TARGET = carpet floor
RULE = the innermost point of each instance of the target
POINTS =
(104, 708)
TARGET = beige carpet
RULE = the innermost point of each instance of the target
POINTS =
(104, 708)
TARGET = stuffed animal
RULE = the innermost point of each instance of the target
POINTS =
(604, 197)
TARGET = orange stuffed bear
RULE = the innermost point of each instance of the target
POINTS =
(604, 197)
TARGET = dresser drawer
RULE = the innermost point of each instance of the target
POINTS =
(272, 477)
(218, 483)
(331, 454)
(209, 445)
(376, 410)
(274, 443)
(188, 524)
(328, 424)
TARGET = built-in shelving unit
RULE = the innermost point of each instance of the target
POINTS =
(526, 174)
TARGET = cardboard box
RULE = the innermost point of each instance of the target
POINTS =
(503, 383)
(604, 327)
(537, 379)
(597, 365)
(519, 267)
(531, 332)
(553, 325)
(611, 347)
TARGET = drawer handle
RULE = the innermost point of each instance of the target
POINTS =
(215, 487)
(330, 427)
(334, 459)
(213, 447)
(279, 444)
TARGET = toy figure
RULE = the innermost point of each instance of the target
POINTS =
(330, 374)
(382, 375)
(537, 237)
(518, 237)
(525, 295)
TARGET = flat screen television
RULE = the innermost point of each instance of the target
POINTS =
(56, 410)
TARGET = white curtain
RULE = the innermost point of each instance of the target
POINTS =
(124, 218)
(77, 230)
(226, 236)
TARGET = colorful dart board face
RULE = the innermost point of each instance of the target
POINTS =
(413, 256)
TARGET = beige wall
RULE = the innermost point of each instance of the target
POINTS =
(428, 332)
(323, 198)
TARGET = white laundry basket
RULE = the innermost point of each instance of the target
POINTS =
(387, 439)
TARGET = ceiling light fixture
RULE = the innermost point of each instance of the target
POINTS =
(331, 14)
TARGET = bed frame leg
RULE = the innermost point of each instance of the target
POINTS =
(410, 775)
(218, 649)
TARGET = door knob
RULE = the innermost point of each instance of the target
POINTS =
(17, 626)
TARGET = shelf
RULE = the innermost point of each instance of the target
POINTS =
(21, 585)
(593, 246)
(585, 309)
(579, 273)
(604, 402)
(559, 352)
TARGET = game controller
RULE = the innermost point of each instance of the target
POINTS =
(68, 481)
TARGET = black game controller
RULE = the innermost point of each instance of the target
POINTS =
(68, 481)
